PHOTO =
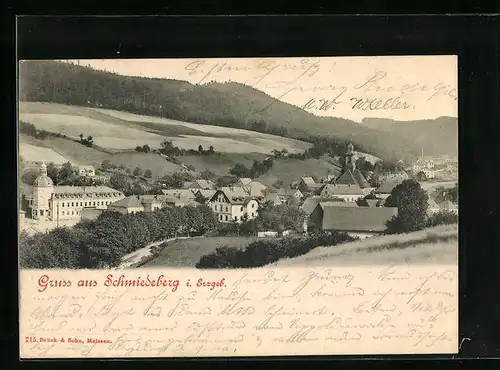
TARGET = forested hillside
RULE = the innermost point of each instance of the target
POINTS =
(222, 104)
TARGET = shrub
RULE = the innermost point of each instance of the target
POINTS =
(223, 257)
(443, 217)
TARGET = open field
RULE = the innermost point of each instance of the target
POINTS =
(33, 153)
(434, 245)
(187, 252)
(121, 130)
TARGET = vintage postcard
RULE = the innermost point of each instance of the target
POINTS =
(238, 207)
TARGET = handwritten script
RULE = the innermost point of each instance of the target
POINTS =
(323, 85)
(300, 311)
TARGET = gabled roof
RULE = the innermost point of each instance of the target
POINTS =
(206, 193)
(245, 180)
(337, 204)
(273, 197)
(310, 204)
(185, 193)
(360, 179)
(346, 178)
(370, 202)
(389, 184)
(152, 198)
(288, 192)
(67, 189)
(128, 202)
(233, 195)
(204, 184)
(308, 180)
(362, 219)
(331, 189)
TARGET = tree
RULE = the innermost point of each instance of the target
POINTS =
(207, 174)
(148, 173)
(137, 171)
(411, 201)
(118, 181)
(106, 165)
(65, 173)
(211, 150)
(226, 181)
(421, 176)
(240, 170)
(200, 149)
(146, 148)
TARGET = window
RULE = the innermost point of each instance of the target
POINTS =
(227, 209)
(81, 204)
(253, 205)
(236, 218)
(215, 207)
(94, 203)
(241, 209)
(252, 214)
(34, 212)
(63, 204)
(226, 217)
(220, 217)
(62, 213)
(41, 212)
(72, 204)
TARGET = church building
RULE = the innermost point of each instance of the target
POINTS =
(52, 203)
(351, 176)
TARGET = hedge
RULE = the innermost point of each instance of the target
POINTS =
(266, 251)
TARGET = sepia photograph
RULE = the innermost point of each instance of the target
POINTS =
(236, 163)
(238, 206)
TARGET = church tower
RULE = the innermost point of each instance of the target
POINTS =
(350, 158)
(43, 188)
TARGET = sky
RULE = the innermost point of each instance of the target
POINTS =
(394, 87)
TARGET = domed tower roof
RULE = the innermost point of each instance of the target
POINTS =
(43, 180)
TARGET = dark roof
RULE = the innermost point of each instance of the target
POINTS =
(128, 202)
(364, 219)
(347, 178)
(360, 179)
(334, 203)
(389, 184)
(288, 192)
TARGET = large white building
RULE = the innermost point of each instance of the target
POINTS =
(52, 203)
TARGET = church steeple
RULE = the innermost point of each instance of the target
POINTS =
(350, 161)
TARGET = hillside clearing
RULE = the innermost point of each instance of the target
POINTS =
(32, 153)
(433, 245)
(121, 130)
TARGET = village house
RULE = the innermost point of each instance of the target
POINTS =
(288, 195)
(85, 171)
(362, 222)
(234, 204)
(128, 205)
(311, 203)
(308, 185)
(204, 195)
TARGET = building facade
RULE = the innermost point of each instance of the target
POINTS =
(233, 206)
(52, 203)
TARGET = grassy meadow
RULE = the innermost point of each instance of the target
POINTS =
(437, 245)
(187, 252)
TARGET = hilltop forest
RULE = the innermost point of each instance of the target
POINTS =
(223, 104)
